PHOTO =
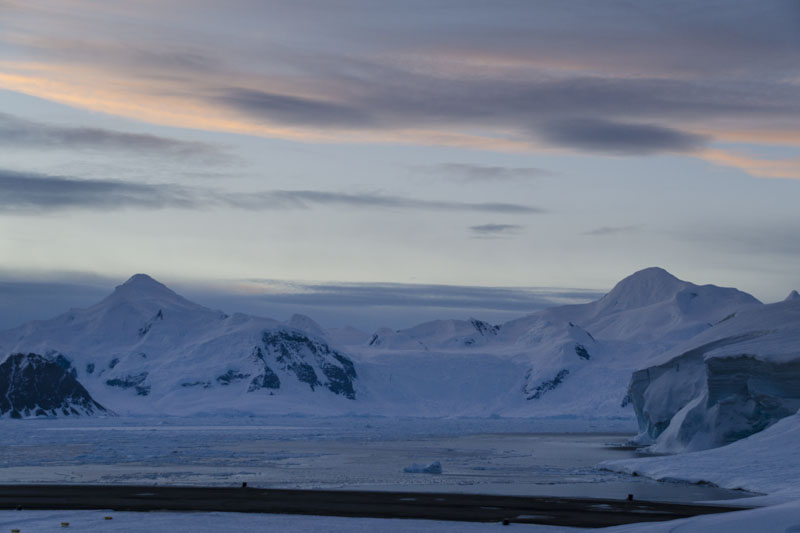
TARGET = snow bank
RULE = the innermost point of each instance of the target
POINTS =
(767, 462)
(785, 518)
(123, 522)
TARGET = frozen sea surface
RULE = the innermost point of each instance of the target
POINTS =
(556, 457)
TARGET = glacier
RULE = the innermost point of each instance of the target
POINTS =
(736, 378)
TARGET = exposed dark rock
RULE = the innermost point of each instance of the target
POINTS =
(339, 381)
(35, 385)
(301, 355)
(582, 352)
(547, 386)
(204, 384)
(231, 376)
(135, 381)
(267, 379)
(484, 328)
(305, 373)
(146, 328)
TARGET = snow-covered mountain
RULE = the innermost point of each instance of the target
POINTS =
(34, 385)
(735, 379)
(145, 349)
(568, 360)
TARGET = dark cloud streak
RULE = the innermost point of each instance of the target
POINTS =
(520, 299)
(294, 110)
(610, 230)
(465, 172)
(598, 135)
(491, 231)
(28, 192)
(302, 199)
(16, 132)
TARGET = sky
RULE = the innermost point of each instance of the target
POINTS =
(347, 157)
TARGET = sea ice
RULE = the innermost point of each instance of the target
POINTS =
(431, 468)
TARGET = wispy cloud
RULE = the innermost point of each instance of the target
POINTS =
(491, 231)
(16, 132)
(611, 230)
(305, 199)
(28, 192)
(761, 167)
(465, 172)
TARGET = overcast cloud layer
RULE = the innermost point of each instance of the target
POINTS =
(657, 77)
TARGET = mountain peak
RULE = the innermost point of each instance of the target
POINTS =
(141, 280)
(142, 285)
(306, 324)
(792, 296)
(652, 274)
(642, 288)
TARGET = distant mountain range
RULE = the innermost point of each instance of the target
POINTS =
(146, 350)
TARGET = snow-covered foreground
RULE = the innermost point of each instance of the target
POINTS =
(778, 519)
(94, 521)
(767, 462)
(782, 518)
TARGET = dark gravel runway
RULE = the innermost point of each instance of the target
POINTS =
(432, 506)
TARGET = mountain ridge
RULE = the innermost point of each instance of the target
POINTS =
(145, 349)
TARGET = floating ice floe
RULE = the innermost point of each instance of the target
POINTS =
(432, 468)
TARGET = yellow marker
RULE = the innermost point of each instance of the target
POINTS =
(108, 517)
(64, 524)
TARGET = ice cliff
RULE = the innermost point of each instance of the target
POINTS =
(736, 378)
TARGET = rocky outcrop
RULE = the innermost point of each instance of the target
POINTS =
(311, 361)
(36, 385)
